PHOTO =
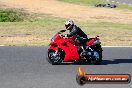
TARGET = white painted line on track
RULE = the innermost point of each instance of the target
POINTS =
(2, 45)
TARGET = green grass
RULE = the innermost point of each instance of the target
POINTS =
(36, 27)
(93, 2)
(125, 6)
(11, 15)
(110, 33)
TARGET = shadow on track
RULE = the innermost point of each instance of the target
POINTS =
(76, 64)
(116, 61)
(104, 62)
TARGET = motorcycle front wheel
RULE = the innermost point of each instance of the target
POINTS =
(55, 57)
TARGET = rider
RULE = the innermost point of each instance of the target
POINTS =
(76, 32)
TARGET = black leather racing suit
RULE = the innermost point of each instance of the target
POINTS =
(79, 35)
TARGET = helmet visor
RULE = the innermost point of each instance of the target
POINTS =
(67, 26)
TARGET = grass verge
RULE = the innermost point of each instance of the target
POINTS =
(38, 29)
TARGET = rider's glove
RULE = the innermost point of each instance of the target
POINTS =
(65, 35)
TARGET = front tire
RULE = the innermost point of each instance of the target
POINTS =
(54, 57)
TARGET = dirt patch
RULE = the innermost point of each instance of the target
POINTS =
(66, 10)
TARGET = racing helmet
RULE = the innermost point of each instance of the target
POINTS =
(69, 24)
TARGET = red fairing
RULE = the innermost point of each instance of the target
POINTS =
(93, 41)
(70, 52)
(66, 44)
(90, 42)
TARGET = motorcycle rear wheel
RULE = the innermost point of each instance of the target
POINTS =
(99, 60)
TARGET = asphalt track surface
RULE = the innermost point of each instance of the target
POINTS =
(26, 67)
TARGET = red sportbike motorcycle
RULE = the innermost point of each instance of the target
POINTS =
(63, 49)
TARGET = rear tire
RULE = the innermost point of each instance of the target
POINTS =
(100, 57)
(98, 49)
